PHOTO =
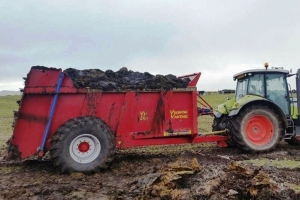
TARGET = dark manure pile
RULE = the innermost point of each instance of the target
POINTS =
(123, 79)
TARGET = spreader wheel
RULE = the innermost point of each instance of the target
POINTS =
(256, 129)
(83, 144)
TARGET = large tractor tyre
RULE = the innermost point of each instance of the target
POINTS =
(84, 144)
(295, 140)
(220, 124)
(256, 129)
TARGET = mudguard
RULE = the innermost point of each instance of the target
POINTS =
(224, 108)
(238, 106)
(217, 114)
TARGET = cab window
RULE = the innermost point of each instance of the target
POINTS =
(277, 91)
(241, 89)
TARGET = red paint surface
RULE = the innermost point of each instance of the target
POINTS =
(136, 118)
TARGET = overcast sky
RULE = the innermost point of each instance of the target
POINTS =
(216, 37)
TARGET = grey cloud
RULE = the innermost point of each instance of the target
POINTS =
(75, 40)
(158, 36)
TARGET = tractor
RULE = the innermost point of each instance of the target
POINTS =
(263, 111)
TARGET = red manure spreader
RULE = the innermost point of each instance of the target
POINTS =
(82, 127)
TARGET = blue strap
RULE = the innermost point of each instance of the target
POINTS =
(52, 109)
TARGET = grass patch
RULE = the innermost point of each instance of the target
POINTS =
(216, 99)
(7, 106)
(292, 186)
(291, 164)
(10, 169)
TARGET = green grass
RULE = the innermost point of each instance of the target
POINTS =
(7, 106)
(293, 186)
(291, 164)
(215, 99)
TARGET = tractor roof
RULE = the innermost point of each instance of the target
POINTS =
(261, 71)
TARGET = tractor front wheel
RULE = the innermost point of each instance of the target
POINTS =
(295, 140)
(256, 129)
(84, 144)
(223, 123)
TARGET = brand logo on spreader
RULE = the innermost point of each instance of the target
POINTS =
(143, 115)
(179, 114)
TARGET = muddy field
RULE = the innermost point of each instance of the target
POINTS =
(173, 172)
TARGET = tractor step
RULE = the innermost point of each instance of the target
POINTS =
(290, 129)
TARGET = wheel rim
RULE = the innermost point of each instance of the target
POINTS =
(85, 148)
(297, 137)
(259, 130)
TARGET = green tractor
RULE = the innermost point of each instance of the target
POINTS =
(261, 114)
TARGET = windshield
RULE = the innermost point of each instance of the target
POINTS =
(241, 88)
(256, 85)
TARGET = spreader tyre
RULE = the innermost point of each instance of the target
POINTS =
(84, 144)
(256, 129)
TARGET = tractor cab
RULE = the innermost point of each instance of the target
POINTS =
(270, 84)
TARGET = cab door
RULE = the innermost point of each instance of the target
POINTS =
(277, 91)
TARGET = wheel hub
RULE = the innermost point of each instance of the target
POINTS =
(85, 148)
(259, 130)
(255, 130)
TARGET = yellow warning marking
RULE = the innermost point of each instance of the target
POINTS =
(143, 116)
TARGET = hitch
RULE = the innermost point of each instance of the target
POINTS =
(215, 132)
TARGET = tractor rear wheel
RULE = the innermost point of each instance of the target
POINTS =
(256, 129)
(84, 144)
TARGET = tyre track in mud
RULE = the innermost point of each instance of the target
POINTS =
(165, 172)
